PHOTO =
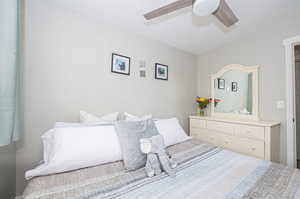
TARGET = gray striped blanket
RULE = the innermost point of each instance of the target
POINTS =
(204, 171)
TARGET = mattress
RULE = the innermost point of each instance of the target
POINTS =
(204, 171)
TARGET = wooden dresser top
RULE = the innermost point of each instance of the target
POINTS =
(247, 122)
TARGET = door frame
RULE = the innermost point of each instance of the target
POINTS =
(290, 44)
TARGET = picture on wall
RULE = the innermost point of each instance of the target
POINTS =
(234, 86)
(221, 83)
(120, 64)
(142, 73)
(161, 71)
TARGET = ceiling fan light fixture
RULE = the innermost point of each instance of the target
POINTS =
(205, 7)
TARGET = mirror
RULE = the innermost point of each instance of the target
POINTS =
(235, 92)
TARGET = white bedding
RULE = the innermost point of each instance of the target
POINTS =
(211, 174)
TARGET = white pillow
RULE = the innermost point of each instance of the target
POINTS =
(80, 147)
(136, 118)
(171, 130)
(74, 124)
(47, 139)
(86, 117)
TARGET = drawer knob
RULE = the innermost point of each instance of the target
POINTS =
(253, 149)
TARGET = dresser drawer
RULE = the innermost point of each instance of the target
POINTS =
(221, 127)
(197, 124)
(251, 147)
(255, 132)
(227, 141)
(206, 136)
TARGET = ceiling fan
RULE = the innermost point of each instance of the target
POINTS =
(219, 8)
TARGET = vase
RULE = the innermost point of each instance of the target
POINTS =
(201, 113)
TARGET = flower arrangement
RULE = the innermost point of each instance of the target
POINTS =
(204, 102)
(215, 101)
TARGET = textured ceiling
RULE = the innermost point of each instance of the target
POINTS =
(182, 29)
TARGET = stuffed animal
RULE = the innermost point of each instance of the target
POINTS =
(157, 157)
(173, 163)
(152, 164)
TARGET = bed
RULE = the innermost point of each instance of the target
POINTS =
(204, 171)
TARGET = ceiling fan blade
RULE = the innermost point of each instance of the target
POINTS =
(225, 14)
(168, 8)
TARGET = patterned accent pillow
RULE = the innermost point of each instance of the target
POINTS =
(130, 133)
(86, 117)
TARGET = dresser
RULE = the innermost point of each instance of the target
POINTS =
(260, 139)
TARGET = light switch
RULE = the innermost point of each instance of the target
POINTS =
(280, 104)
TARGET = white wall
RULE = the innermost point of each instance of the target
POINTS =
(264, 48)
(67, 69)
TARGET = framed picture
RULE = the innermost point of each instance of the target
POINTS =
(161, 71)
(120, 64)
(142, 73)
(221, 83)
(234, 86)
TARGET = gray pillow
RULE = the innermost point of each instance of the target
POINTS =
(130, 133)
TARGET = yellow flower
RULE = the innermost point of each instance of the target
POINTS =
(202, 99)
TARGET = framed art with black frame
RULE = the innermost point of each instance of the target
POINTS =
(120, 64)
(161, 71)
(221, 83)
(234, 86)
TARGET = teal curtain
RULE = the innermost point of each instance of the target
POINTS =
(10, 72)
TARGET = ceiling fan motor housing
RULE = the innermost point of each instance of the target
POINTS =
(205, 7)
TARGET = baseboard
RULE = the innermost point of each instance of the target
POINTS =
(18, 197)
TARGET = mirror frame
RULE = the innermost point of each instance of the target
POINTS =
(255, 92)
